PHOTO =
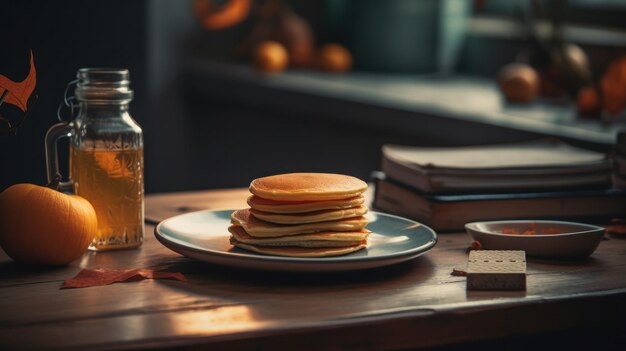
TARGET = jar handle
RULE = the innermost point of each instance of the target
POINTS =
(56, 132)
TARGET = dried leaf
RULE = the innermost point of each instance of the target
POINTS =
(616, 229)
(457, 272)
(104, 276)
(19, 92)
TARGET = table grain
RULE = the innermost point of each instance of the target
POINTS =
(410, 305)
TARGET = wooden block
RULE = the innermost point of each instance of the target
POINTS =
(496, 270)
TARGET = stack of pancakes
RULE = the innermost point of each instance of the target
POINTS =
(302, 215)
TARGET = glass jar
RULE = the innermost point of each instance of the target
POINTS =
(106, 157)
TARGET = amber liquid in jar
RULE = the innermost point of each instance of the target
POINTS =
(112, 180)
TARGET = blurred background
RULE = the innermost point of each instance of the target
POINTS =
(227, 91)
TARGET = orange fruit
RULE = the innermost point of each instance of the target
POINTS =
(334, 58)
(519, 82)
(270, 56)
(39, 225)
(588, 101)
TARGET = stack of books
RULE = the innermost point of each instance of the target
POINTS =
(448, 187)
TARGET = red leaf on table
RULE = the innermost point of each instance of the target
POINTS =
(19, 92)
(617, 226)
(104, 276)
(616, 229)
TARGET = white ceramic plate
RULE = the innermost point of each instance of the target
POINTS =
(577, 240)
(204, 236)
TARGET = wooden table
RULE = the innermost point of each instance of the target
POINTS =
(410, 305)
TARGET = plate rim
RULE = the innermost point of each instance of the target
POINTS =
(413, 252)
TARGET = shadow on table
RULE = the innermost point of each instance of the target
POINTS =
(14, 273)
(201, 274)
(586, 261)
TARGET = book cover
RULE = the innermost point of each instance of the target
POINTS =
(535, 165)
(451, 211)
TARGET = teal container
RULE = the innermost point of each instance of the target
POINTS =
(417, 36)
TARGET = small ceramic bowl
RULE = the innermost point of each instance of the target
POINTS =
(574, 240)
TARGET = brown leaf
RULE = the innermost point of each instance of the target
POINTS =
(616, 229)
(105, 276)
(457, 272)
(19, 92)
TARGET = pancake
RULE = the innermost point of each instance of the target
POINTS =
(291, 251)
(258, 228)
(307, 187)
(273, 206)
(323, 239)
(310, 217)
